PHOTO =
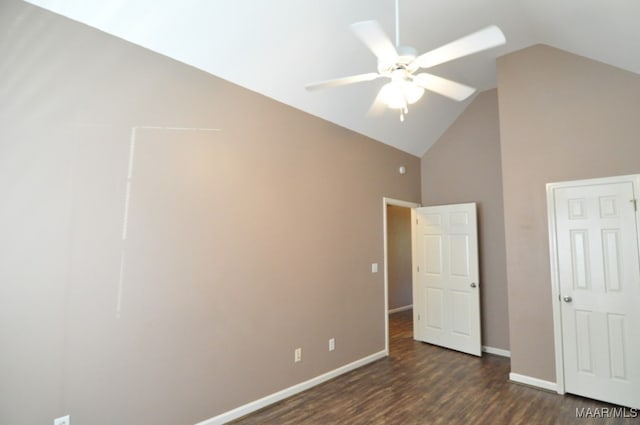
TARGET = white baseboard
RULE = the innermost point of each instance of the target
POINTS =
(288, 392)
(399, 309)
(496, 351)
(533, 382)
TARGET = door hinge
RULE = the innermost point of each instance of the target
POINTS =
(418, 317)
(635, 204)
(418, 269)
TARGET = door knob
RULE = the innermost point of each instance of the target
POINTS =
(473, 285)
(567, 299)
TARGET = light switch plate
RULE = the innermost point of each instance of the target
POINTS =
(374, 267)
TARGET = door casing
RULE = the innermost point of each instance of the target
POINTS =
(397, 203)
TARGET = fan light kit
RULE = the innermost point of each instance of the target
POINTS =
(400, 64)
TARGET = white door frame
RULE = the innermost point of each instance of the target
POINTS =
(553, 255)
(397, 203)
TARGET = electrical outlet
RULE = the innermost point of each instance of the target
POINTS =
(297, 355)
(64, 420)
(332, 344)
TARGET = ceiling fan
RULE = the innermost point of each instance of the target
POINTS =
(401, 63)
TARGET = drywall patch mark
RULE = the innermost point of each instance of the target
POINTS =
(127, 200)
(127, 196)
(148, 127)
(132, 151)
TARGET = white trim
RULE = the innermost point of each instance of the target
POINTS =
(496, 351)
(533, 382)
(555, 289)
(288, 392)
(553, 258)
(399, 309)
(398, 203)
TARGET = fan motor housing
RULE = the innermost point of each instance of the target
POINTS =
(404, 60)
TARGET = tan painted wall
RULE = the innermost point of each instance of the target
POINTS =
(464, 166)
(562, 117)
(399, 271)
(242, 244)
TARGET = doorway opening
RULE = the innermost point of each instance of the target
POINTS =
(397, 258)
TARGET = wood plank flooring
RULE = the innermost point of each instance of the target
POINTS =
(423, 384)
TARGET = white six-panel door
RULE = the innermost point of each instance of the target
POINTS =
(598, 272)
(446, 293)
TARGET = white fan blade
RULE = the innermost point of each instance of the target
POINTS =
(448, 88)
(343, 81)
(472, 43)
(372, 35)
(378, 107)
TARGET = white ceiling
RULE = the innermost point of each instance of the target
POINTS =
(275, 47)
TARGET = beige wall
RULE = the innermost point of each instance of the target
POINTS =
(464, 166)
(400, 276)
(562, 117)
(241, 244)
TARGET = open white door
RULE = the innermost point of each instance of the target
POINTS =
(597, 282)
(446, 292)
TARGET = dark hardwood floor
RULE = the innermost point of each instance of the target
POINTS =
(423, 384)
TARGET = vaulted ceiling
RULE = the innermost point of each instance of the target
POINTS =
(275, 47)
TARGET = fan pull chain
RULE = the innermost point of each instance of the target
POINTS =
(403, 111)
